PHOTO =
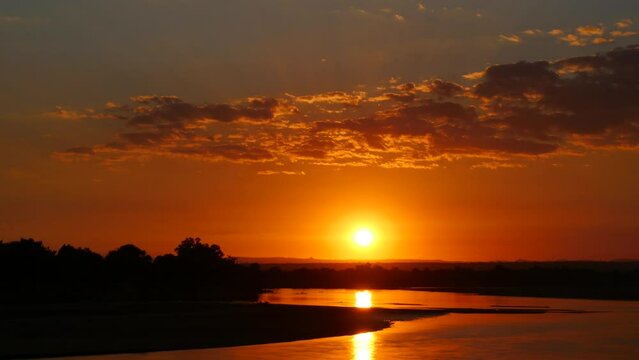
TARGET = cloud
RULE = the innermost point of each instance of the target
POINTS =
(474, 75)
(601, 40)
(584, 98)
(67, 113)
(512, 38)
(587, 34)
(441, 88)
(590, 30)
(333, 97)
(280, 172)
(168, 126)
(622, 24)
(524, 109)
(173, 112)
(384, 15)
(555, 32)
(510, 114)
(532, 32)
(409, 92)
(574, 40)
(494, 165)
(618, 33)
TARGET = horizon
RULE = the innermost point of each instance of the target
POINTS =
(282, 260)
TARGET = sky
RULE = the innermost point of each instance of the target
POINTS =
(455, 130)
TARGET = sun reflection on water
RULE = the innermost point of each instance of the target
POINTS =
(364, 346)
(363, 299)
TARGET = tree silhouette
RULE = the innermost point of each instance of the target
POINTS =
(80, 273)
(79, 258)
(203, 269)
(128, 255)
(26, 268)
(26, 256)
(193, 249)
(25, 250)
(128, 261)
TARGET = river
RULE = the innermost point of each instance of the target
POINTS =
(610, 331)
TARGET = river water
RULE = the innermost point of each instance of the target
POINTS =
(612, 332)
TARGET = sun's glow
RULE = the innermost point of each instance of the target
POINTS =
(364, 346)
(363, 299)
(364, 237)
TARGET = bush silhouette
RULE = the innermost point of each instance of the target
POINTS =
(128, 260)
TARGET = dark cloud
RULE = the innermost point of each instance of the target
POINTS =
(441, 89)
(166, 125)
(447, 127)
(402, 97)
(445, 89)
(171, 110)
(313, 147)
(332, 97)
(588, 95)
(516, 80)
(514, 111)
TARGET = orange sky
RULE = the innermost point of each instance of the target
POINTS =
(457, 132)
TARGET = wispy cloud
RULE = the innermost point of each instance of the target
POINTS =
(532, 32)
(580, 36)
(494, 165)
(511, 38)
(590, 30)
(622, 24)
(383, 14)
(280, 172)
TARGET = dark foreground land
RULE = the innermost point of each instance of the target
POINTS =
(84, 329)
(120, 328)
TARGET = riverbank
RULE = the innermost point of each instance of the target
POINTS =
(88, 329)
(65, 330)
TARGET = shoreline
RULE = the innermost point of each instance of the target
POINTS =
(102, 329)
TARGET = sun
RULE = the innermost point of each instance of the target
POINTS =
(363, 237)
(363, 299)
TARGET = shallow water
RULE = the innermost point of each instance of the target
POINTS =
(612, 333)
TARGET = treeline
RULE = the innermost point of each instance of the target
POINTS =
(33, 273)
(375, 276)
